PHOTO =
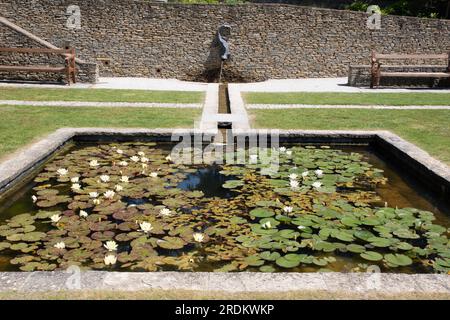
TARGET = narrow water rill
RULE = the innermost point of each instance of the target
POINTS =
(129, 207)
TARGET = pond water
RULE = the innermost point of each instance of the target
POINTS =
(128, 207)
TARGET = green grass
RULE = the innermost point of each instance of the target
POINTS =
(21, 125)
(99, 95)
(428, 129)
(332, 98)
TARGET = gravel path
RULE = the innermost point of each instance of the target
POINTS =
(306, 106)
(99, 104)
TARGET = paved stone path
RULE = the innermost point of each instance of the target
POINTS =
(306, 106)
(99, 104)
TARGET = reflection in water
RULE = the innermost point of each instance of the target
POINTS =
(208, 180)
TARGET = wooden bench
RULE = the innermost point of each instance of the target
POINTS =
(68, 68)
(377, 73)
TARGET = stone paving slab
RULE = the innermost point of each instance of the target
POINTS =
(78, 104)
(236, 282)
(308, 106)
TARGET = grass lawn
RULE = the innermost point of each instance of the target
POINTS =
(99, 95)
(157, 294)
(428, 129)
(333, 98)
(21, 125)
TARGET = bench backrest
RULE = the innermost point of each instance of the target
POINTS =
(376, 57)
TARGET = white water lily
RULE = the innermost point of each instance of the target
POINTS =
(319, 173)
(253, 158)
(146, 226)
(293, 176)
(199, 237)
(305, 174)
(109, 194)
(119, 151)
(83, 214)
(93, 194)
(154, 174)
(288, 209)
(144, 160)
(141, 153)
(266, 225)
(301, 227)
(317, 184)
(93, 163)
(75, 179)
(110, 259)
(96, 201)
(62, 172)
(134, 158)
(104, 178)
(165, 212)
(294, 184)
(76, 186)
(111, 245)
(289, 152)
(60, 245)
(282, 149)
(123, 163)
(144, 166)
(118, 188)
(168, 158)
(124, 179)
(34, 198)
(55, 218)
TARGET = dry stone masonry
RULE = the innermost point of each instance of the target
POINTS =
(142, 39)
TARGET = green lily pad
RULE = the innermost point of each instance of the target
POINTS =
(371, 256)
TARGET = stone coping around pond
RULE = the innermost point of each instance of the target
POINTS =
(234, 282)
(90, 104)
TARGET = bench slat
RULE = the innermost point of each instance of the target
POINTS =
(416, 74)
(410, 56)
(33, 68)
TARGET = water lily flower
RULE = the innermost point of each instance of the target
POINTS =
(301, 227)
(294, 184)
(288, 209)
(293, 176)
(119, 151)
(146, 226)
(168, 158)
(123, 163)
(74, 179)
(60, 245)
(289, 152)
(154, 174)
(282, 149)
(253, 158)
(109, 194)
(266, 225)
(110, 259)
(93, 163)
(144, 166)
(93, 194)
(76, 186)
(134, 158)
(83, 214)
(96, 201)
(62, 172)
(141, 153)
(124, 179)
(199, 237)
(34, 198)
(319, 173)
(111, 245)
(317, 184)
(165, 212)
(144, 160)
(104, 178)
(118, 188)
(55, 218)
(305, 174)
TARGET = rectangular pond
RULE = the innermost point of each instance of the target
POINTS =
(128, 207)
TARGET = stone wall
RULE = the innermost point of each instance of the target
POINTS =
(142, 39)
